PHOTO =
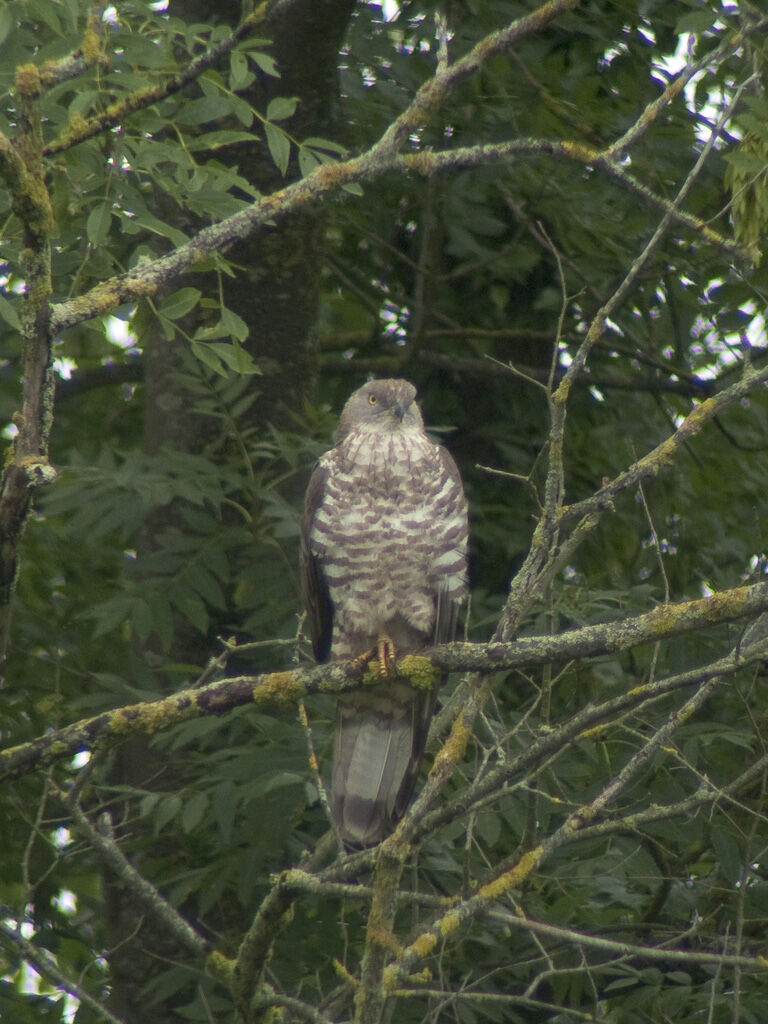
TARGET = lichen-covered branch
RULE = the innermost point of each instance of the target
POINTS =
(708, 794)
(666, 620)
(371, 994)
(89, 53)
(279, 690)
(732, 42)
(270, 691)
(254, 949)
(82, 129)
(548, 550)
(663, 454)
(430, 162)
(382, 158)
(299, 1010)
(23, 169)
(257, 942)
(433, 92)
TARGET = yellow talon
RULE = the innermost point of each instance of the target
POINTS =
(385, 648)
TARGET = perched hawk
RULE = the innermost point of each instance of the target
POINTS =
(384, 566)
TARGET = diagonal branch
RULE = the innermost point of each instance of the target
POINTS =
(382, 158)
(146, 279)
(627, 950)
(431, 162)
(433, 92)
(102, 841)
(116, 113)
(47, 968)
(590, 721)
(548, 549)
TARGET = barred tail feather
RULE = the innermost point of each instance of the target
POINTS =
(380, 737)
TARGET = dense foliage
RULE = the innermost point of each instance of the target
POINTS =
(208, 230)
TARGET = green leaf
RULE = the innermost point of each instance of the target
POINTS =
(240, 75)
(211, 141)
(110, 614)
(211, 331)
(6, 22)
(224, 808)
(203, 110)
(242, 111)
(9, 314)
(279, 146)
(148, 803)
(307, 161)
(235, 357)
(728, 854)
(162, 619)
(233, 324)
(207, 586)
(167, 809)
(98, 224)
(192, 607)
(315, 142)
(282, 107)
(141, 617)
(144, 219)
(266, 63)
(204, 352)
(180, 303)
(695, 21)
(193, 811)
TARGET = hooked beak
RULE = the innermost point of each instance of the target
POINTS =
(399, 409)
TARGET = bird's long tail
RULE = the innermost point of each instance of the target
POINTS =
(380, 737)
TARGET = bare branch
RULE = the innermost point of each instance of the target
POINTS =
(626, 950)
(102, 840)
(488, 894)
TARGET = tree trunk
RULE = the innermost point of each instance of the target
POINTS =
(276, 295)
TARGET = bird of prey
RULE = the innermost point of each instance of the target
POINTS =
(384, 570)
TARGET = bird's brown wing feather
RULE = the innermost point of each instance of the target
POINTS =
(317, 599)
(447, 609)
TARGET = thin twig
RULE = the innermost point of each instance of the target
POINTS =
(48, 969)
(102, 840)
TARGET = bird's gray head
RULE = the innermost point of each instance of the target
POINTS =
(383, 406)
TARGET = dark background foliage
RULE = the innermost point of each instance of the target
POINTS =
(185, 430)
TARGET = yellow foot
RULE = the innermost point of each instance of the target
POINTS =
(364, 658)
(384, 654)
(385, 649)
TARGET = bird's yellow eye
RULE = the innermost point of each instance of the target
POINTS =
(372, 399)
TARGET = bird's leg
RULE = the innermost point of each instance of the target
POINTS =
(385, 648)
(364, 658)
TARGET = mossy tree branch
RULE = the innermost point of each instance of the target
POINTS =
(381, 159)
(281, 690)
(117, 113)
(23, 168)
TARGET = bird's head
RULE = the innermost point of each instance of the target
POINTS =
(381, 405)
